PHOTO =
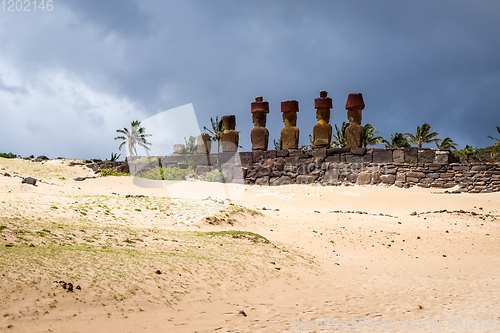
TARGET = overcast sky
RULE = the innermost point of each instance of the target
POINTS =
(72, 76)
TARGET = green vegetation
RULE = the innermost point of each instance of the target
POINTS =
(397, 140)
(191, 146)
(115, 157)
(9, 155)
(111, 172)
(446, 143)
(169, 173)
(216, 131)
(339, 139)
(422, 136)
(496, 147)
(215, 175)
(369, 137)
(136, 136)
(253, 237)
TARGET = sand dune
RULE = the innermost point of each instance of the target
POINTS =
(350, 254)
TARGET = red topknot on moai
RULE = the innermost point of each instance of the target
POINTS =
(259, 135)
(290, 134)
(322, 131)
(354, 132)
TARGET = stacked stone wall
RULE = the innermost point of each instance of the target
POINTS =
(405, 167)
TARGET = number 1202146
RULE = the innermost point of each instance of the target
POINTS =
(27, 5)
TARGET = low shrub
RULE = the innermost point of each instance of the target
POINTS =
(170, 173)
(111, 172)
(9, 155)
(214, 176)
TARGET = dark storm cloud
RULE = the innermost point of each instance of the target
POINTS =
(414, 61)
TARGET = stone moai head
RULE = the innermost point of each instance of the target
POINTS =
(323, 104)
(322, 131)
(230, 137)
(354, 107)
(259, 110)
(204, 144)
(290, 134)
(289, 110)
(229, 122)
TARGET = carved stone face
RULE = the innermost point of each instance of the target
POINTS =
(354, 116)
(290, 119)
(323, 115)
(259, 119)
(229, 122)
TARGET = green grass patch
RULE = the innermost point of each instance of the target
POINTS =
(237, 234)
(214, 176)
(111, 172)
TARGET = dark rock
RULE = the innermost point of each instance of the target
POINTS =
(158, 272)
(78, 288)
(383, 156)
(80, 179)
(6, 174)
(42, 158)
(70, 286)
(413, 214)
(29, 180)
(242, 313)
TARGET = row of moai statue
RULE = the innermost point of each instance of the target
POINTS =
(322, 131)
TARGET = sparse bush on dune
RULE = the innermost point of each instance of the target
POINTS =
(111, 172)
(9, 155)
(170, 173)
(214, 176)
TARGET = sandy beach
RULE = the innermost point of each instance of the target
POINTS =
(169, 259)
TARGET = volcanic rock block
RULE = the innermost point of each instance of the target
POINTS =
(426, 156)
(259, 134)
(383, 156)
(388, 179)
(306, 179)
(411, 155)
(398, 156)
(29, 180)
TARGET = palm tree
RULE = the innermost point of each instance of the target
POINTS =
(469, 151)
(136, 136)
(446, 143)
(339, 139)
(216, 131)
(369, 137)
(496, 147)
(191, 146)
(397, 140)
(423, 136)
(311, 140)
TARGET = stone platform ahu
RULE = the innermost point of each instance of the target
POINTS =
(323, 165)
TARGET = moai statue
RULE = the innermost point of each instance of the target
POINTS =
(204, 144)
(230, 138)
(290, 134)
(260, 134)
(322, 132)
(354, 132)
